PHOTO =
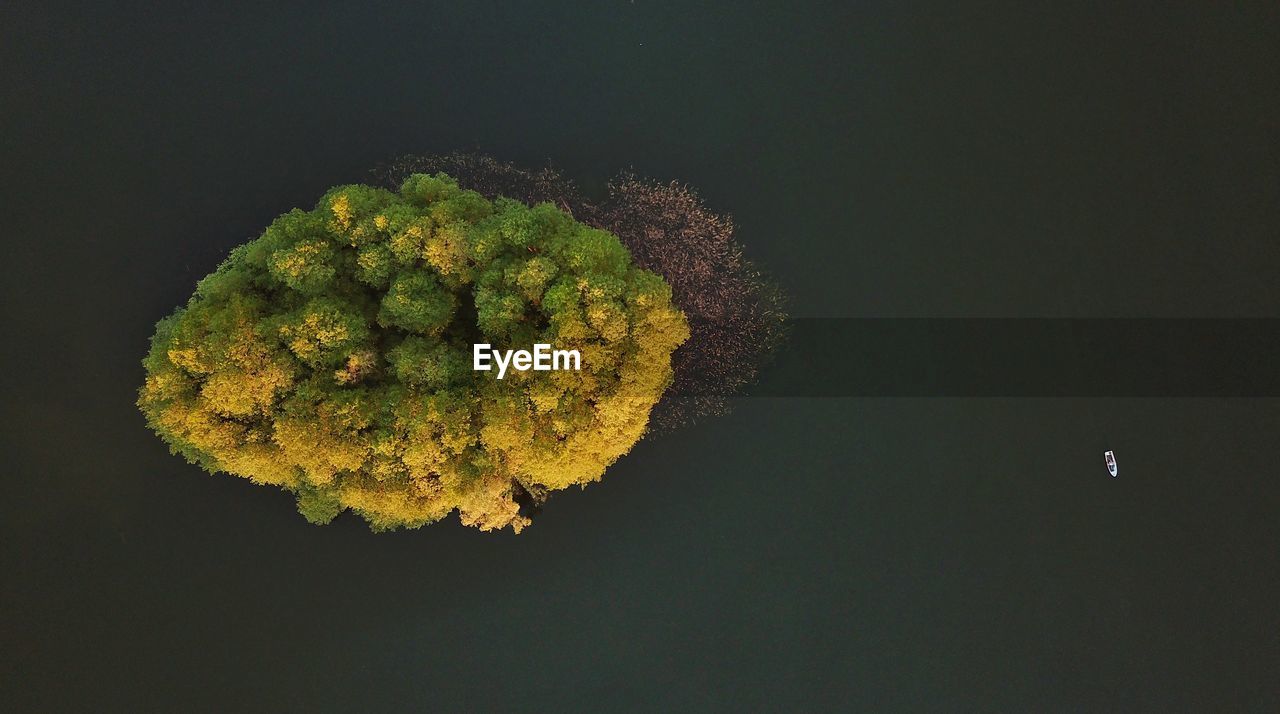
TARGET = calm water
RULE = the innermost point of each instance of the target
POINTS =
(802, 553)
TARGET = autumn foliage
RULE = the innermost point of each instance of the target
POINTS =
(331, 356)
(736, 315)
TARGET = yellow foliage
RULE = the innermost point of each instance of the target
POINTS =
(446, 251)
(317, 449)
(340, 206)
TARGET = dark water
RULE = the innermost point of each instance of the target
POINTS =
(882, 160)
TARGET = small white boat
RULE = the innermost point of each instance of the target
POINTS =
(1111, 463)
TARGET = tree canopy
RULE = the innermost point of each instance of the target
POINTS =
(736, 314)
(331, 356)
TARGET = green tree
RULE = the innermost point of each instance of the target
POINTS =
(332, 356)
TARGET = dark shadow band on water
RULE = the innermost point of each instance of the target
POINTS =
(1024, 358)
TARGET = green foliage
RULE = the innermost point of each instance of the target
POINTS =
(429, 363)
(332, 356)
(318, 506)
(417, 303)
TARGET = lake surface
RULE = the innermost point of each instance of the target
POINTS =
(900, 551)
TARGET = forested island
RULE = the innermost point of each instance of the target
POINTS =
(332, 356)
